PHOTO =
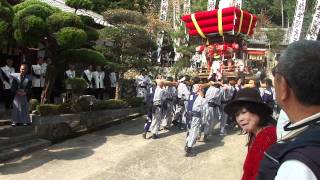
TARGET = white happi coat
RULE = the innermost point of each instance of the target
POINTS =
(70, 74)
(39, 70)
(142, 83)
(211, 115)
(89, 76)
(113, 79)
(98, 77)
(158, 99)
(195, 124)
(168, 113)
(7, 71)
(183, 94)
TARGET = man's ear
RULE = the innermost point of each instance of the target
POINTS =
(284, 89)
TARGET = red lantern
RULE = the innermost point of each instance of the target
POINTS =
(235, 46)
(200, 48)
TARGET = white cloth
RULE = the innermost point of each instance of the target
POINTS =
(8, 71)
(294, 170)
(211, 115)
(98, 77)
(70, 74)
(195, 123)
(282, 121)
(159, 97)
(142, 83)
(183, 91)
(113, 79)
(89, 75)
(39, 70)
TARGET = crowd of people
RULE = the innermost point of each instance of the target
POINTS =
(285, 149)
(19, 88)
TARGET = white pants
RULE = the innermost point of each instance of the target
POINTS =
(168, 115)
(210, 119)
(194, 131)
(156, 120)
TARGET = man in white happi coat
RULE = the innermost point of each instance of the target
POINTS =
(113, 83)
(169, 105)
(213, 96)
(6, 78)
(98, 77)
(38, 71)
(142, 83)
(183, 96)
(196, 103)
(158, 100)
(228, 92)
(69, 74)
(87, 75)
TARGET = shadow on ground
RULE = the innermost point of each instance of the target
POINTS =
(79, 148)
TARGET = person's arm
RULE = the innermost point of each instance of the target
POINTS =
(294, 170)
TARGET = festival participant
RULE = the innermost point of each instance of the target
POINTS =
(38, 71)
(6, 78)
(195, 110)
(297, 85)
(149, 105)
(21, 88)
(99, 87)
(87, 75)
(213, 98)
(183, 96)
(229, 92)
(254, 118)
(168, 114)
(142, 83)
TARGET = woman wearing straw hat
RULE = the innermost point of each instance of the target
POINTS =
(254, 118)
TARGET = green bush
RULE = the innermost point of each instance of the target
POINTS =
(65, 108)
(110, 104)
(79, 85)
(70, 37)
(134, 101)
(33, 104)
(48, 109)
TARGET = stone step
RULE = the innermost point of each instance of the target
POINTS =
(20, 149)
(5, 140)
(9, 131)
(5, 122)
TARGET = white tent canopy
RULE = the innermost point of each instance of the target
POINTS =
(61, 5)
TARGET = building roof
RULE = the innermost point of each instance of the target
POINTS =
(60, 4)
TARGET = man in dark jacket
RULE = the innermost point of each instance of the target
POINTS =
(297, 85)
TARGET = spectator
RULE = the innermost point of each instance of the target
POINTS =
(297, 85)
(21, 88)
(254, 118)
(6, 78)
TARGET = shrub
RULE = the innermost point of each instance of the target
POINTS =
(110, 104)
(33, 104)
(134, 101)
(48, 109)
(65, 108)
(79, 85)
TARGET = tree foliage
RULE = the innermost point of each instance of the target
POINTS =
(80, 4)
(36, 22)
(6, 17)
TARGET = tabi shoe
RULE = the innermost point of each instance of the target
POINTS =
(13, 124)
(188, 151)
(144, 135)
(205, 138)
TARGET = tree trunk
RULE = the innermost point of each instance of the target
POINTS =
(118, 86)
(49, 83)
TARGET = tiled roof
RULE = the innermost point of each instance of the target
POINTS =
(61, 5)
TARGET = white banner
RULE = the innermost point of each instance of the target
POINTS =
(163, 17)
(298, 21)
(315, 25)
(186, 7)
(176, 24)
(211, 5)
(230, 3)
